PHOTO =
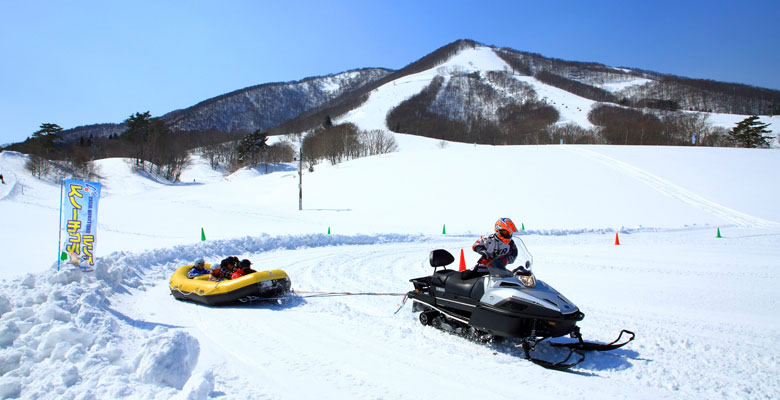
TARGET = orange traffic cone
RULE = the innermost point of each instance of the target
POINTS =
(462, 266)
(617, 241)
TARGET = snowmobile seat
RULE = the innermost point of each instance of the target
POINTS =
(440, 277)
(472, 288)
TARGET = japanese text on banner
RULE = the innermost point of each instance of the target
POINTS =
(80, 208)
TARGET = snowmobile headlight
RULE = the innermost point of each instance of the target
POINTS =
(527, 280)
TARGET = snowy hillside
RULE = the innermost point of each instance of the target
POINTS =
(248, 109)
(371, 115)
(571, 107)
(478, 83)
(265, 106)
(703, 308)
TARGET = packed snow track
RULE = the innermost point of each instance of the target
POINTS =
(350, 346)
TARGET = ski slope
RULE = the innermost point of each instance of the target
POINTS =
(572, 109)
(703, 309)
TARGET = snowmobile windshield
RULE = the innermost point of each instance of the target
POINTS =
(524, 257)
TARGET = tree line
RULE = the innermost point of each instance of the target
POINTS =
(148, 141)
(155, 149)
(338, 143)
(534, 122)
(662, 91)
(627, 126)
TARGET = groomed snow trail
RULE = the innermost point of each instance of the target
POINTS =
(674, 191)
(351, 346)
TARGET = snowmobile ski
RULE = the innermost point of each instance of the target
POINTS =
(593, 346)
(561, 365)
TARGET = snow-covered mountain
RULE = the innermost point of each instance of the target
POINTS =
(472, 89)
(467, 83)
(266, 106)
(258, 107)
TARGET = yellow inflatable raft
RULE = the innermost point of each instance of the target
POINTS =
(252, 287)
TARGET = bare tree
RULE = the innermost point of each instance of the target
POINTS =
(211, 153)
(686, 128)
(377, 141)
(79, 162)
(279, 152)
(572, 133)
(38, 166)
(718, 137)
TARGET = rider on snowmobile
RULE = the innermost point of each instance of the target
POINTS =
(497, 250)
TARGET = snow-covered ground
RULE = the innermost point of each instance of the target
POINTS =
(704, 308)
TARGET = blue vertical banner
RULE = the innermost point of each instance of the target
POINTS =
(79, 215)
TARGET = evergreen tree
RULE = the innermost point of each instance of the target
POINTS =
(749, 133)
(138, 132)
(47, 129)
(43, 139)
(252, 146)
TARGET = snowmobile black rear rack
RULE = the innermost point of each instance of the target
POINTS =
(593, 346)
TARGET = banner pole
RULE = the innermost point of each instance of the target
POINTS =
(59, 233)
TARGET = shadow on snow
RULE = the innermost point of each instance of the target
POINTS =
(593, 360)
(146, 325)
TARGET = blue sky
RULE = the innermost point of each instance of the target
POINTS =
(84, 62)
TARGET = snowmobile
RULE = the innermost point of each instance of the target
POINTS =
(503, 304)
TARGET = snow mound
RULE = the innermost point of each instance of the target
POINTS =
(169, 358)
(197, 388)
(5, 305)
(60, 336)
(61, 339)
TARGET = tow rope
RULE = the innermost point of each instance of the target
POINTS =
(309, 294)
(304, 293)
(334, 294)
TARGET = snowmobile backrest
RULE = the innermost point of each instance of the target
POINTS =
(441, 258)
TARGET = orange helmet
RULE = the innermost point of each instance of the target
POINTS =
(504, 229)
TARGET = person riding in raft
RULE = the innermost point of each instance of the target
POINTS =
(198, 269)
(244, 268)
(224, 271)
(497, 250)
